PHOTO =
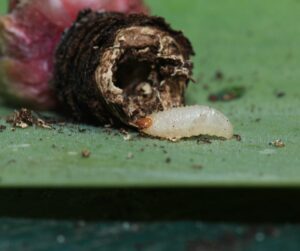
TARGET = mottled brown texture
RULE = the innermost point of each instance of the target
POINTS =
(139, 71)
(24, 118)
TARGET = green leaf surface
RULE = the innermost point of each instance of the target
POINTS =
(255, 44)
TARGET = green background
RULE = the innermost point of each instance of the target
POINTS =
(255, 44)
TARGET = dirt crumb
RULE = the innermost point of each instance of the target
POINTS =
(280, 94)
(237, 137)
(277, 143)
(219, 75)
(168, 160)
(197, 166)
(85, 153)
(2, 128)
(24, 118)
(228, 94)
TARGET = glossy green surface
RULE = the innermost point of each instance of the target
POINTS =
(254, 44)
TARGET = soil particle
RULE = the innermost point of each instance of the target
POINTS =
(280, 94)
(278, 143)
(197, 166)
(85, 153)
(227, 94)
(168, 160)
(24, 118)
(237, 137)
(219, 75)
(125, 133)
(2, 128)
(81, 130)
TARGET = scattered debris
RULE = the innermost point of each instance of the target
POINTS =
(24, 118)
(85, 153)
(126, 134)
(127, 137)
(81, 130)
(197, 166)
(41, 123)
(237, 137)
(280, 94)
(168, 160)
(2, 128)
(219, 75)
(277, 143)
(228, 94)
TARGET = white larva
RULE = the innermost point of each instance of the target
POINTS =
(188, 121)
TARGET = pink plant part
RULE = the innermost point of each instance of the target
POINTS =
(29, 35)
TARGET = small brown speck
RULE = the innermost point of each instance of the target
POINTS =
(197, 166)
(280, 94)
(237, 137)
(219, 75)
(2, 128)
(24, 118)
(85, 153)
(168, 160)
(142, 149)
(81, 130)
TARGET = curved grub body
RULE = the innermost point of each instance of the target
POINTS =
(116, 68)
(189, 121)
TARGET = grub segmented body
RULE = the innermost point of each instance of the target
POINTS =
(189, 121)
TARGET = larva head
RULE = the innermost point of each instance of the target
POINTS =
(143, 123)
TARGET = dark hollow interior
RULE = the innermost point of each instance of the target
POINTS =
(132, 72)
